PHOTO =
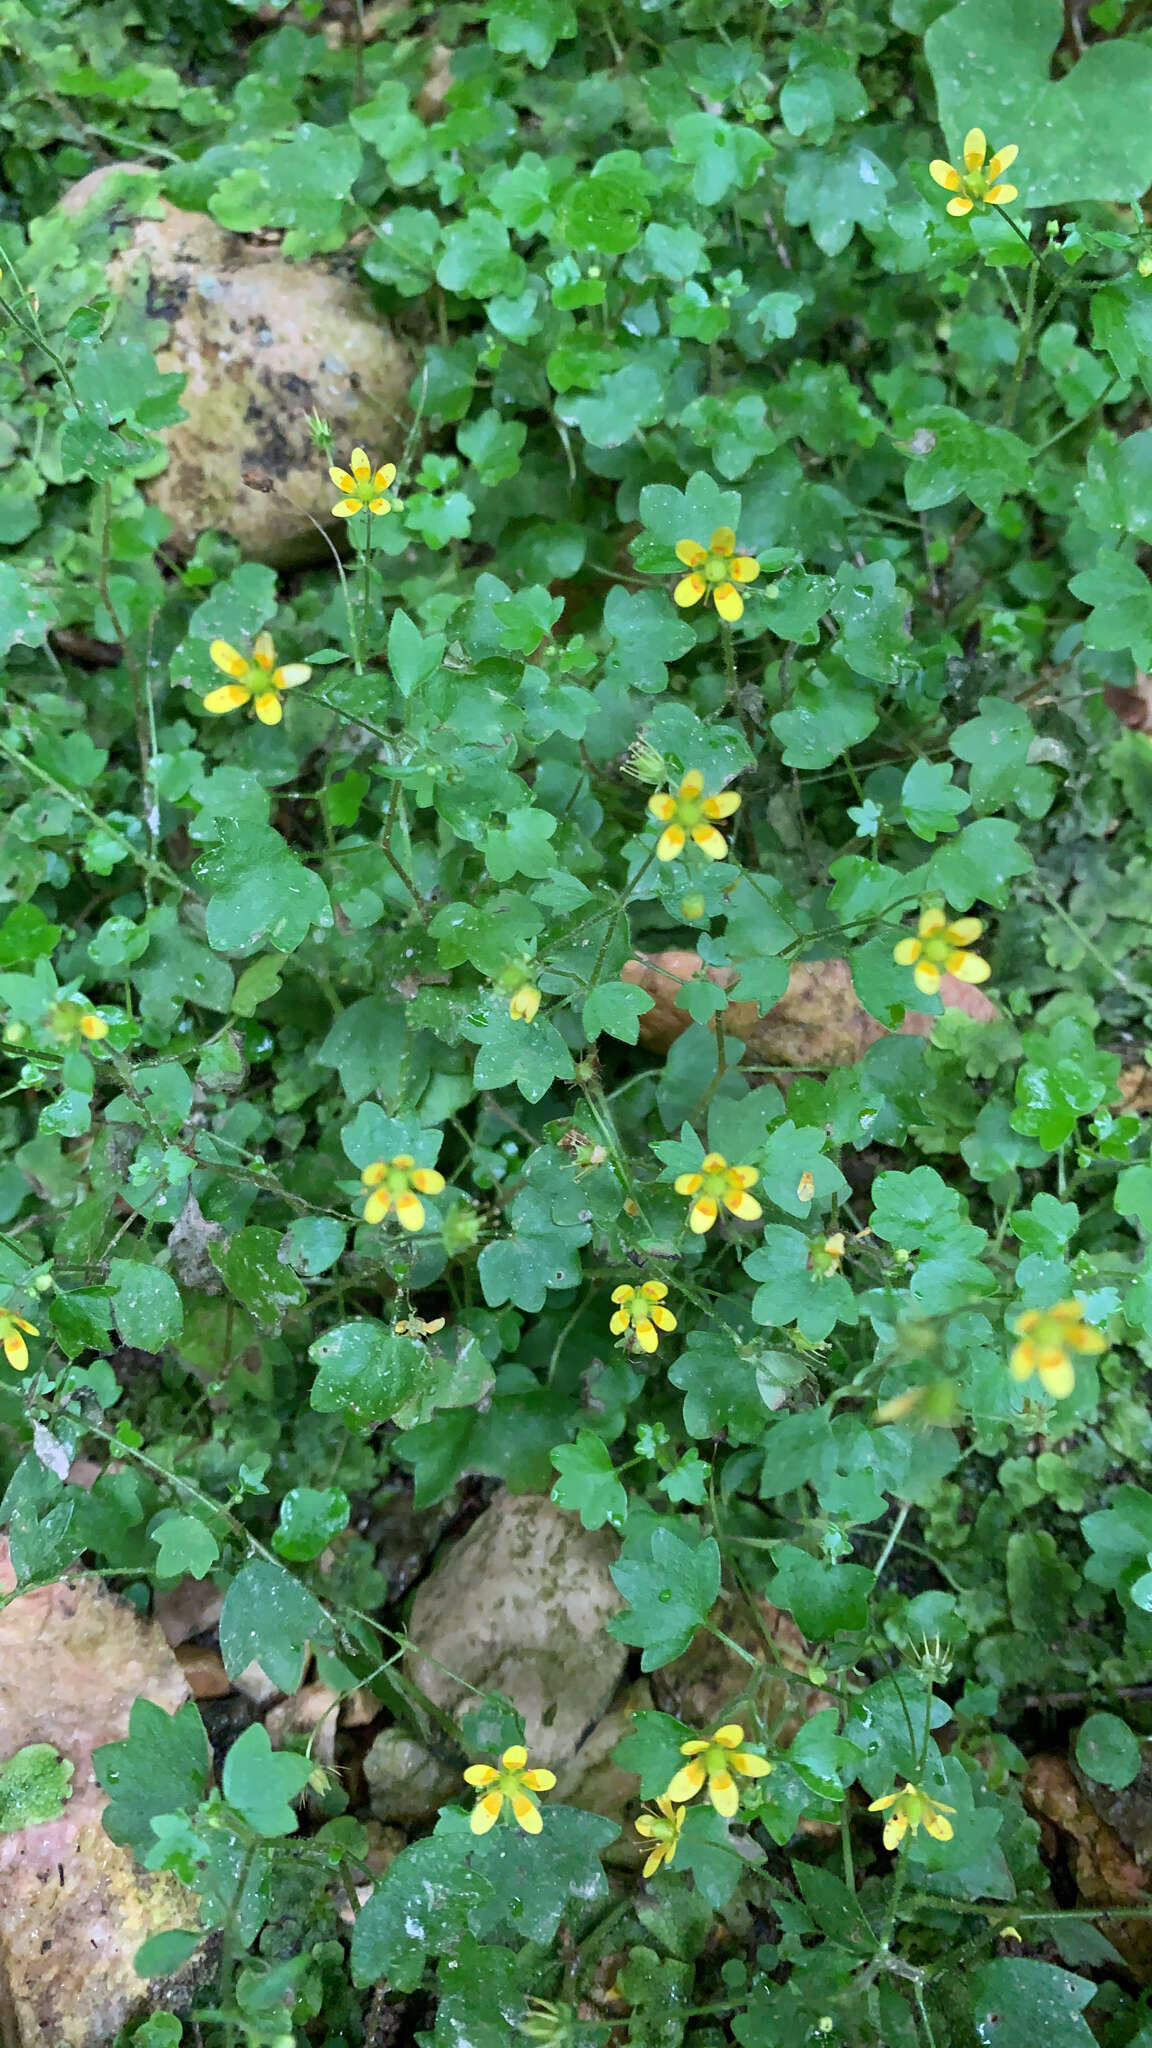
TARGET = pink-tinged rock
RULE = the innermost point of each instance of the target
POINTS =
(74, 1908)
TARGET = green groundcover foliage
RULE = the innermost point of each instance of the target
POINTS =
(451, 989)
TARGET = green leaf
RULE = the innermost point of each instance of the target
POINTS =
(146, 1304)
(26, 613)
(34, 1786)
(1017, 2002)
(300, 183)
(270, 1619)
(1062, 1078)
(530, 28)
(930, 800)
(161, 1767)
(530, 1056)
(790, 1292)
(493, 444)
(539, 1255)
(312, 1244)
(996, 745)
(261, 1782)
(366, 1373)
(422, 1906)
(588, 1482)
(161, 1956)
(184, 1544)
(958, 456)
(534, 1877)
(671, 1586)
(1121, 599)
(260, 893)
(980, 863)
(309, 1519)
(1081, 136)
(1106, 1750)
(789, 1155)
(833, 191)
(646, 636)
(371, 1047)
(826, 717)
(616, 1007)
(821, 1598)
(478, 260)
(253, 1270)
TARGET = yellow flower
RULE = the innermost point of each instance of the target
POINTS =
(714, 1758)
(261, 685)
(1047, 1335)
(524, 1002)
(715, 572)
(942, 948)
(415, 1326)
(662, 1827)
(13, 1330)
(363, 487)
(71, 1020)
(718, 1182)
(394, 1181)
(824, 1258)
(639, 1313)
(913, 1808)
(685, 816)
(510, 1782)
(978, 183)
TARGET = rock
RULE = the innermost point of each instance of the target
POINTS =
(263, 343)
(204, 1672)
(590, 1779)
(1105, 1870)
(74, 1908)
(311, 1712)
(519, 1607)
(818, 1022)
(407, 1783)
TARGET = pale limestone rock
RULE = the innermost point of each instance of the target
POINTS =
(405, 1781)
(519, 1607)
(73, 1906)
(263, 343)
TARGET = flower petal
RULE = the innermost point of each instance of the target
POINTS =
(670, 843)
(1022, 1363)
(728, 602)
(347, 509)
(895, 1829)
(342, 480)
(662, 805)
(723, 805)
(1058, 1379)
(743, 568)
(264, 652)
(689, 590)
(691, 785)
(907, 952)
(889, 1799)
(539, 1781)
(624, 1293)
(652, 1862)
(514, 1759)
(687, 1781)
(665, 1320)
(486, 1812)
(938, 1827)
(691, 553)
(687, 1183)
(730, 1736)
(964, 931)
(427, 1181)
(480, 1774)
(710, 841)
(377, 1206)
(268, 708)
(227, 660)
(939, 170)
(527, 1815)
(1003, 160)
(723, 541)
(975, 149)
(1001, 195)
(360, 466)
(932, 921)
(619, 1322)
(957, 207)
(646, 1336)
(374, 1174)
(926, 977)
(410, 1210)
(229, 697)
(749, 1764)
(702, 1216)
(967, 967)
(743, 1206)
(379, 506)
(291, 675)
(16, 1351)
(723, 1793)
(744, 1176)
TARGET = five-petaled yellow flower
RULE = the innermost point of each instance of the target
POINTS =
(662, 1827)
(1047, 1336)
(824, 1258)
(714, 1758)
(715, 572)
(978, 184)
(639, 1312)
(913, 1808)
(524, 1002)
(942, 948)
(258, 682)
(718, 1182)
(13, 1330)
(688, 814)
(511, 1782)
(70, 1020)
(393, 1182)
(363, 487)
